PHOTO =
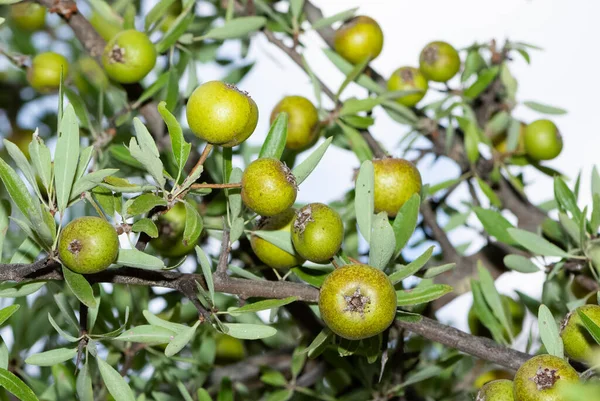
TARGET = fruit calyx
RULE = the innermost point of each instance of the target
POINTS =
(289, 176)
(304, 217)
(238, 90)
(407, 75)
(430, 54)
(117, 55)
(356, 302)
(75, 246)
(545, 378)
(565, 321)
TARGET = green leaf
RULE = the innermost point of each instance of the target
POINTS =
(154, 88)
(52, 357)
(489, 192)
(345, 67)
(400, 113)
(590, 325)
(80, 287)
(249, 331)
(16, 386)
(364, 199)
(413, 267)
(203, 395)
(357, 143)
(5, 210)
(79, 108)
(545, 109)
(353, 106)
(176, 30)
(7, 312)
(84, 384)
(237, 229)
(303, 170)
(566, 198)
(147, 334)
(26, 253)
(206, 271)
(260, 306)
(156, 321)
(41, 159)
(342, 16)
(181, 340)
(437, 270)
(275, 142)
(115, 383)
(147, 226)
(421, 295)
(180, 148)
(12, 290)
(22, 163)
(157, 12)
(280, 238)
(145, 151)
(495, 224)
(549, 332)
(236, 28)
(354, 73)
(193, 224)
(406, 222)
(383, 242)
(66, 157)
(90, 181)
(311, 276)
(484, 314)
(318, 345)
(134, 258)
(234, 196)
(492, 297)
(520, 264)
(184, 393)
(274, 378)
(483, 81)
(536, 244)
(296, 8)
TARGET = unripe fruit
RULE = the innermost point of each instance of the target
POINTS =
(542, 140)
(88, 72)
(357, 301)
(578, 341)
(500, 142)
(408, 78)
(129, 56)
(28, 16)
(229, 349)
(171, 225)
(318, 232)
(108, 29)
(538, 379)
(497, 390)
(44, 74)
(439, 61)
(513, 309)
(268, 187)
(88, 245)
(303, 120)
(396, 180)
(270, 254)
(490, 376)
(221, 114)
(359, 38)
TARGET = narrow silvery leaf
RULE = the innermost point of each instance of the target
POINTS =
(492, 297)
(79, 108)
(384, 242)
(364, 201)
(7, 312)
(4, 214)
(181, 149)
(156, 321)
(406, 222)
(276, 138)
(181, 340)
(193, 224)
(16, 386)
(26, 253)
(84, 384)
(303, 170)
(22, 163)
(549, 332)
(84, 160)
(145, 151)
(413, 267)
(249, 331)
(420, 295)
(236, 28)
(342, 16)
(80, 287)
(66, 157)
(206, 271)
(4, 354)
(115, 383)
(147, 334)
(280, 238)
(234, 196)
(157, 12)
(535, 243)
(41, 159)
(91, 181)
(134, 258)
(52, 357)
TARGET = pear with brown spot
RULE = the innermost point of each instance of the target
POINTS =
(357, 301)
(539, 378)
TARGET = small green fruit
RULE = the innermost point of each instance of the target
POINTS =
(44, 74)
(229, 349)
(129, 56)
(108, 29)
(28, 16)
(578, 341)
(490, 376)
(303, 120)
(221, 114)
(513, 309)
(171, 225)
(88, 245)
(542, 140)
(408, 78)
(317, 233)
(268, 187)
(500, 142)
(359, 38)
(439, 61)
(497, 390)
(270, 254)
(396, 180)
(538, 379)
(357, 301)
